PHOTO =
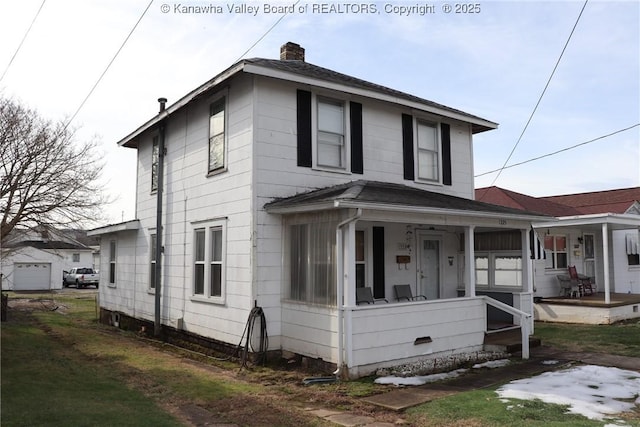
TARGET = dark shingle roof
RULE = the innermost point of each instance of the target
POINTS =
(309, 70)
(388, 194)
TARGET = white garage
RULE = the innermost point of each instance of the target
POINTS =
(31, 276)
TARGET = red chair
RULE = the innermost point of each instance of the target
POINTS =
(585, 285)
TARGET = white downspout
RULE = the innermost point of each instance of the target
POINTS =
(340, 285)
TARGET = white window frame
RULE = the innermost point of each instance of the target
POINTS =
(152, 260)
(224, 100)
(113, 256)
(75, 257)
(419, 121)
(207, 262)
(552, 254)
(491, 270)
(155, 160)
(346, 140)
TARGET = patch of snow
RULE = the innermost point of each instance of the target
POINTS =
(419, 380)
(590, 391)
(550, 362)
(492, 364)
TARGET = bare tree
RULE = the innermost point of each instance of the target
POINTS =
(47, 179)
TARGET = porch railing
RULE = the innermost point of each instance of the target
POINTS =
(525, 321)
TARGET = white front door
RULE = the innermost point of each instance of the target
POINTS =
(429, 267)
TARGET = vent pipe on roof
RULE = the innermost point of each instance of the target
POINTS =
(291, 51)
(163, 102)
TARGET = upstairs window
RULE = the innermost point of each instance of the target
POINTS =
(428, 152)
(217, 122)
(331, 130)
(154, 164)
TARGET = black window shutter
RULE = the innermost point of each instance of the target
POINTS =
(445, 129)
(304, 128)
(357, 165)
(378, 262)
(407, 146)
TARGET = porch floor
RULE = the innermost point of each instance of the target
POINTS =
(596, 300)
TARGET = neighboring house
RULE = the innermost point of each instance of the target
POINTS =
(36, 260)
(598, 232)
(286, 186)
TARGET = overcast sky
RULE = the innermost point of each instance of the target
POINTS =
(493, 63)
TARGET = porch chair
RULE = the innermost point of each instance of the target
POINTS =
(365, 296)
(585, 285)
(404, 292)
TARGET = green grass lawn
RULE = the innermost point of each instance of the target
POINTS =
(60, 367)
(621, 338)
(45, 381)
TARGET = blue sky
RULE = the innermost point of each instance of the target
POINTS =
(493, 63)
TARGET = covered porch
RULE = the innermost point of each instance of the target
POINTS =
(455, 253)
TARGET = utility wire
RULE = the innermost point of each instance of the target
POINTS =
(542, 94)
(22, 41)
(557, 152)
(108, 66)
(265, 34)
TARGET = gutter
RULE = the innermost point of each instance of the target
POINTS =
(340, 284)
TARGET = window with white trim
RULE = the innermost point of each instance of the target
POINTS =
(152, 263)
(75, 257)
(209, 261)
(112, 262)
(428, 151)
(555, 247)
(217, 135)
(154, 164)
(330, 145)
(498, 270)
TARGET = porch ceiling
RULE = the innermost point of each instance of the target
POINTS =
(393, 197)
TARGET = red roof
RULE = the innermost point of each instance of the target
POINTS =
(597, 202)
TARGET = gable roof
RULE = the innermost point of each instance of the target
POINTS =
(383, 195)
(618, 201)
(610, 201)
(309, 74)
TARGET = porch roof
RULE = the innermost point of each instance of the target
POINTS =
(131, 225)
(393, 197)
(595, 221)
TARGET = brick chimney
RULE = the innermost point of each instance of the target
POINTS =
(291, 51)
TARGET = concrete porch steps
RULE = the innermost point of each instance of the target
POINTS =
(509, 340)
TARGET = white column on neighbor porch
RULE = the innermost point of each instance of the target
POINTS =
(527, 274)
(349, 264)
(470, 265)
(605, 255)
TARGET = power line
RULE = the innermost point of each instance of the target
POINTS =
(108, 65)
(265, 34)
(542, 94)
(557, 152)
(22, 41)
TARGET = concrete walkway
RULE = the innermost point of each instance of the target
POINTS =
(406, 397)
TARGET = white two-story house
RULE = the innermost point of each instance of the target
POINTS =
(286, 187)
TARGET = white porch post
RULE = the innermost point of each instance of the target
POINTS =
(605, 255)
(470, 265)
(349, 270)
(527, 275)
